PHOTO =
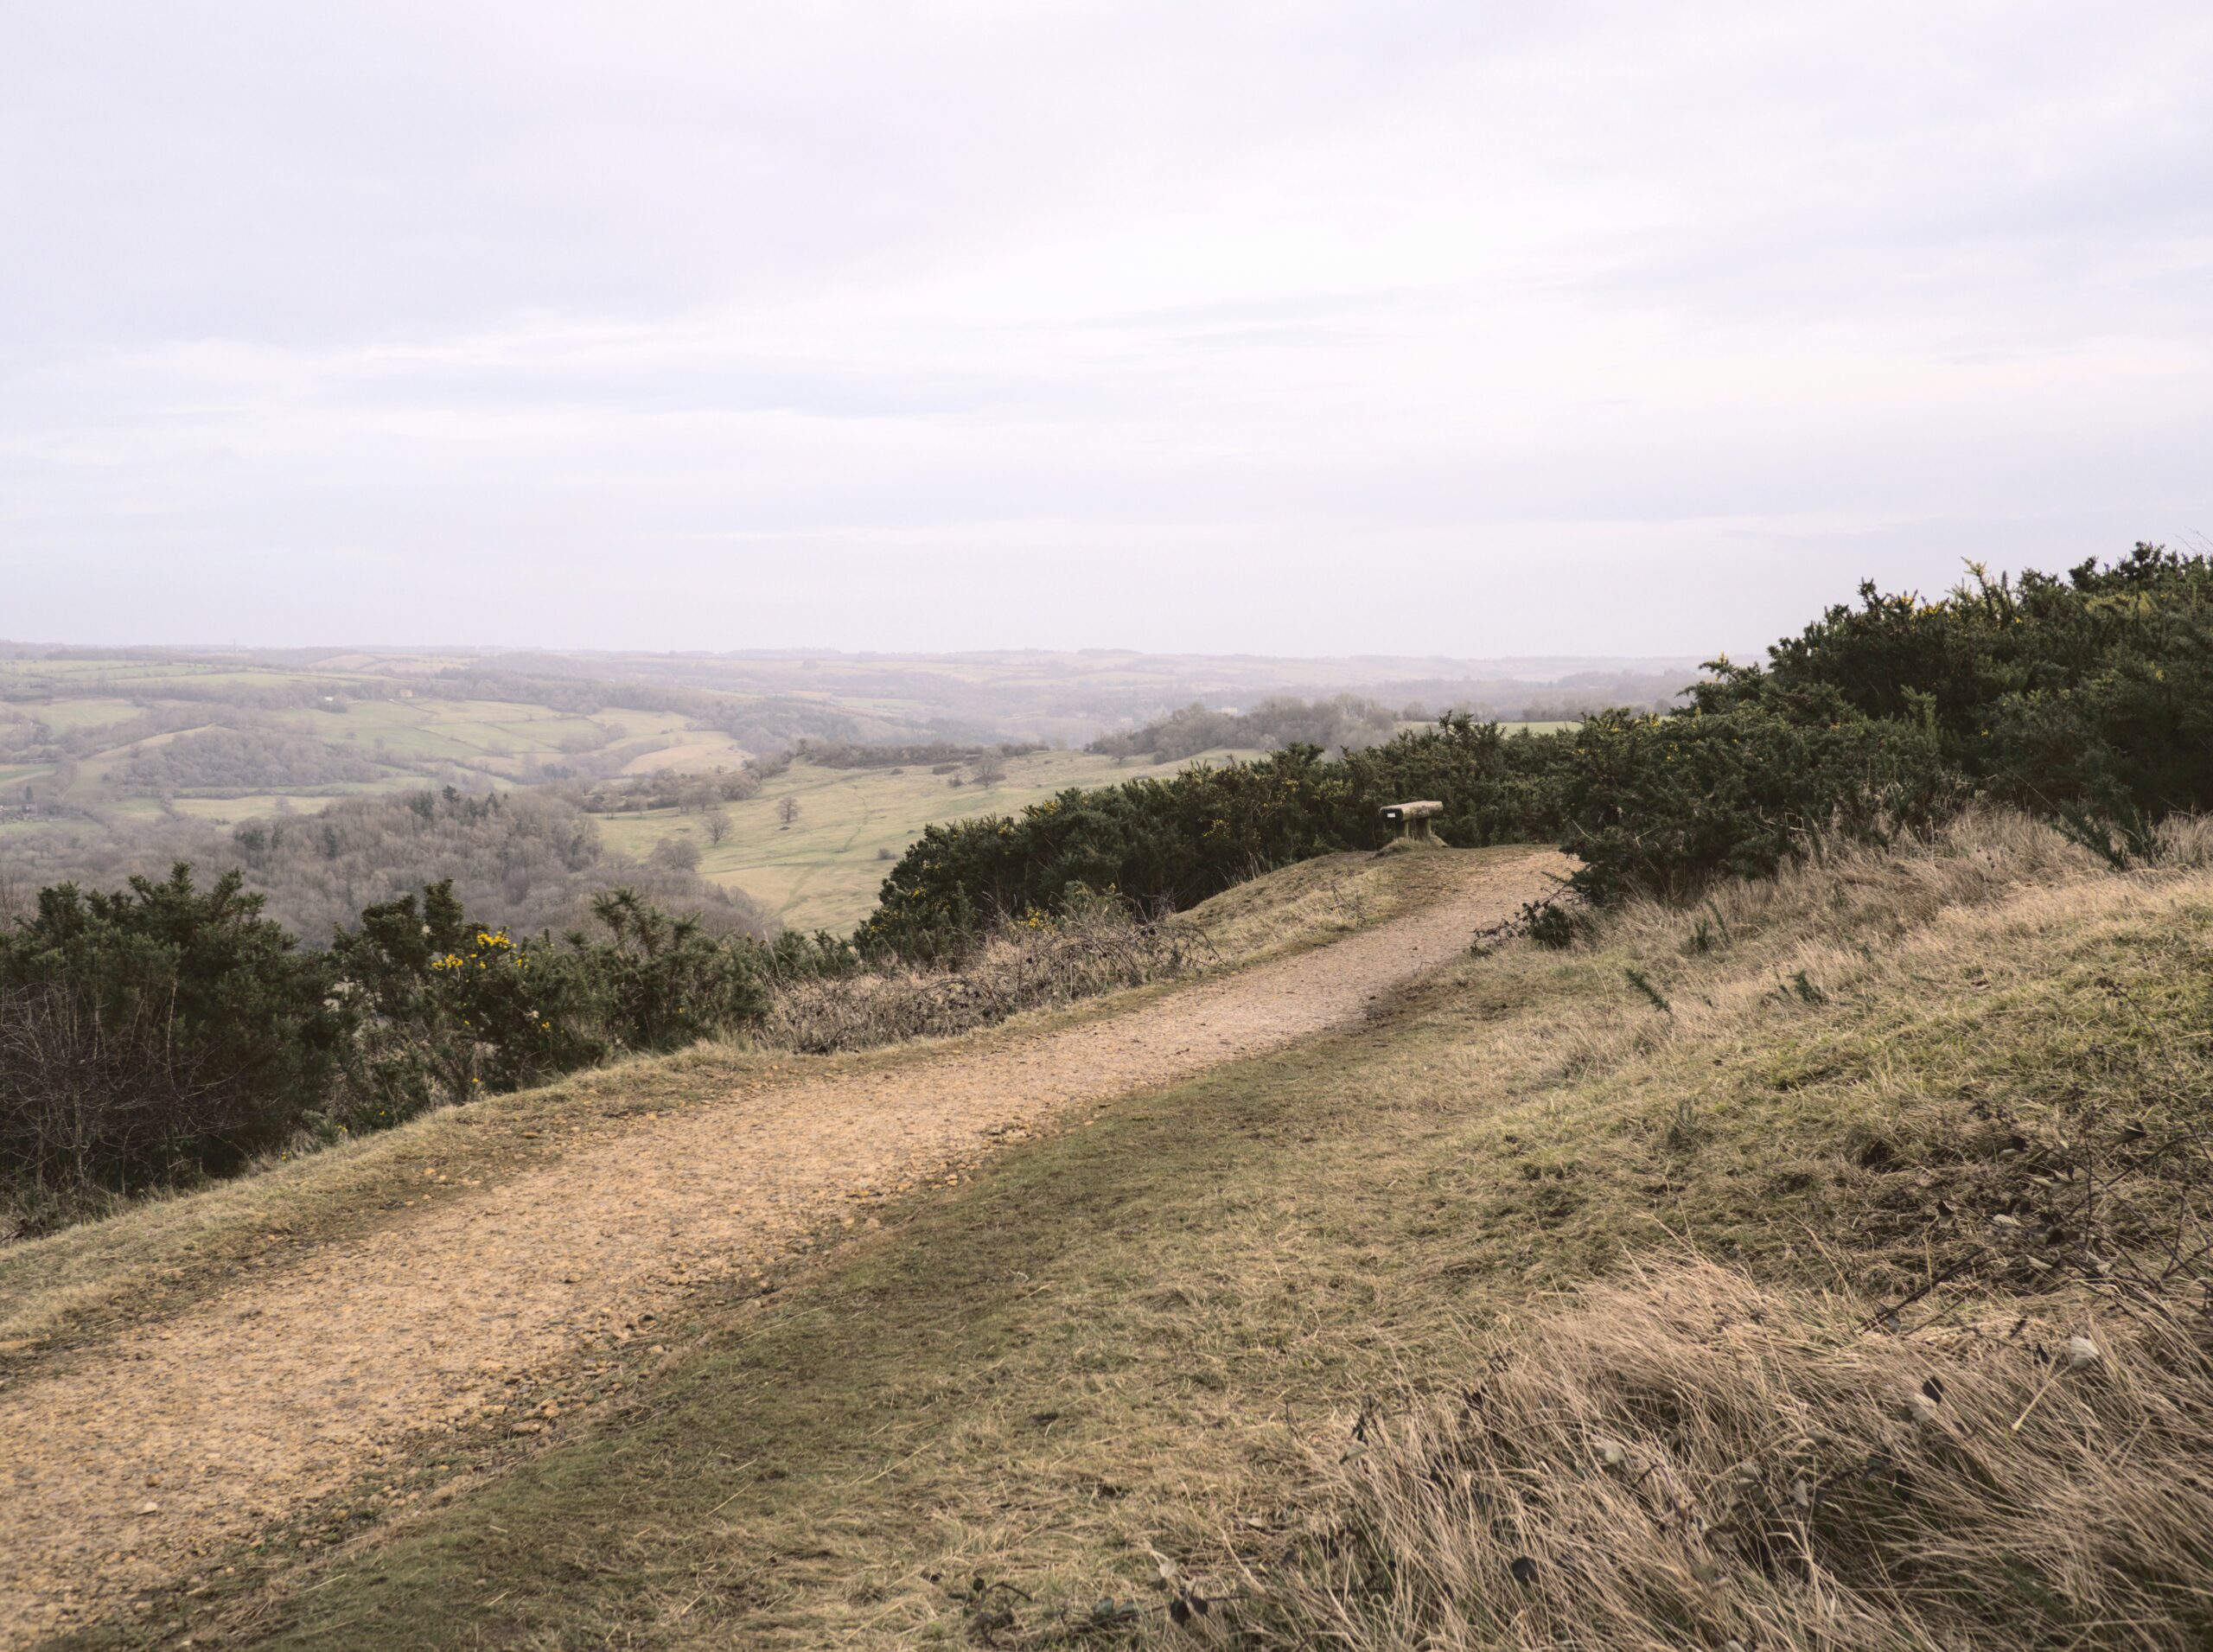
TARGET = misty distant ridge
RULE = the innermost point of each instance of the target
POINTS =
(1531, 667)
(1048, 693)
(81, 721)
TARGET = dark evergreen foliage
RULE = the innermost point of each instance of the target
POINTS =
(2088, 696)
(158, 1029)
(162, 1032)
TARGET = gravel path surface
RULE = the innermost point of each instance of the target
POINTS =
(189, 1433)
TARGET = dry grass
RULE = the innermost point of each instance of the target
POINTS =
(1316, 900)
(1685, 1460)
(1134, 1338)
(1040, 964)
(1021, 967)
(1860, 893)
(2010, 1049)
(1863, 923)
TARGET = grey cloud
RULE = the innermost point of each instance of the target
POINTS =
(1308, 328)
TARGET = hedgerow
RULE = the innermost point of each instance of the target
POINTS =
(2087, 697)
(1663, 805)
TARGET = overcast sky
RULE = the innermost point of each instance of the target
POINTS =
(1366, 327)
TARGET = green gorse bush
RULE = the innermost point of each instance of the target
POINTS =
(2087, 697)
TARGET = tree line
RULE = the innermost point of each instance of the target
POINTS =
(1280, 721)
(2087, 696)
(524, 861)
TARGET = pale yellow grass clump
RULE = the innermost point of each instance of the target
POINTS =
(1860, 919)
(1983, 1025)
(1866, 892)
(1021, 967)
(1686, 1460)
(1316, 900)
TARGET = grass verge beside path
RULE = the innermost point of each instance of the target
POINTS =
(83, 1284)
(1128, 1342)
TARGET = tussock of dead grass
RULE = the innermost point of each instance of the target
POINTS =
(1317, 900)
(1021, 967)
(1998, 1036)
(1684, 1459)
(1861, 896)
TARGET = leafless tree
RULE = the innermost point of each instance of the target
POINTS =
(676, 854)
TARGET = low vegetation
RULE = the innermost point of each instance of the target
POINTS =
(163, 1032)
(1094, 946)
(823, 868)
(524, 861)
(174, 1029)
(87, 736)
(240, 763)
(1687, 1453)
(2087, 697)
(1791, 1236)
(168, 1248)
(849, 755)
(155, 1031)
(1972, 1414)
(1212, 1351)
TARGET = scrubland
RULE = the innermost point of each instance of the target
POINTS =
(1580, 1297)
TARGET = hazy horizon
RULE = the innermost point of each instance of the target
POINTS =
(1408, 330)
(1565, 662)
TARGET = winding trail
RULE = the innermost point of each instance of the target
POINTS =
(188, 1434)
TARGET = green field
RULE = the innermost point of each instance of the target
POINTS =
(505, 738)
(76, 725)
(822, 870)
(82, 738)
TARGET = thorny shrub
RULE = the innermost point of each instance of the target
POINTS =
(2087, 698)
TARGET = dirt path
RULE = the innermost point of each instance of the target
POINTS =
(188, 1434)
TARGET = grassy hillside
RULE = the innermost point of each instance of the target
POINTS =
(86, 733)
(1135, 1350)
(81, 729)
(823, 869)
(128, 739)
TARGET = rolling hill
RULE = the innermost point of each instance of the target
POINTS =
(1189, 1318)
